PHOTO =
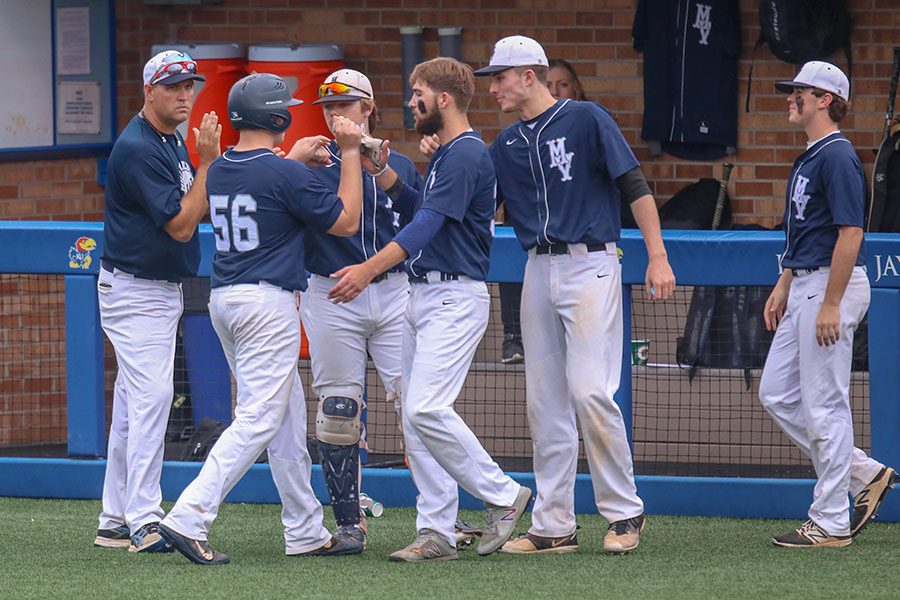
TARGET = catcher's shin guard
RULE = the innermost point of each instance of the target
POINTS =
(340, 465)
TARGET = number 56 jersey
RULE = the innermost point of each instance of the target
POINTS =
(260, 206)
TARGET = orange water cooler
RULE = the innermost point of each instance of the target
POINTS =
(303, 67)
(222, 65)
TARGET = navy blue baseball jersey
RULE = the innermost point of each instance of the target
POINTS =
(556, 175)
(691, 50)
(826, 189)
(325, 253)
(147, 175)
(459, 184)
(261, 206)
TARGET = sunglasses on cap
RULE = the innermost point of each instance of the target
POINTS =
(174, 68)
(338, 89)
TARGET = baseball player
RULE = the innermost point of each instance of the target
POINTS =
(447, 243)
(819, 300)
(261, 206)
(561, 170)
(154, 201)
(341, 335)
(563, 82)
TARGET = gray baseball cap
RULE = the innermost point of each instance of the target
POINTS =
(818, 74)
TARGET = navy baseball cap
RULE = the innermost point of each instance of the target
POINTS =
(170, 67)
(514, 51)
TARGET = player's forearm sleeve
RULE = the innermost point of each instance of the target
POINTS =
(633, 185)
(420, 230)
(404, 198)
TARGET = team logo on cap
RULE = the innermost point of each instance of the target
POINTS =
(80, 253)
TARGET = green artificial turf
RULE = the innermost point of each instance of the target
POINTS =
(46, 552)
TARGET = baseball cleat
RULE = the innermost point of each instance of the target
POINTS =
(624, 536)
(351, 536)
(867, 502)
(513, 351)
(117, 537)
(342, 543)
(810, 535)
(196, 551)
(466, 534)
(428, 545)
(500, 522)
(148, 539)
(528, 543)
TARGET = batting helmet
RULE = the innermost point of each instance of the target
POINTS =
(261, 101)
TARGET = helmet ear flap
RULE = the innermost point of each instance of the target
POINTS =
(281, 121)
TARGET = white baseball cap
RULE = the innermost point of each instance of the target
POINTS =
(170, 67)
(357, 87)
(818, 74)
(514, 51)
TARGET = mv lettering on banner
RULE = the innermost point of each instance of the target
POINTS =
(559, 158)
(703, 22)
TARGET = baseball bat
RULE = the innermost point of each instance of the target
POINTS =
(723, 190)
(892, 93)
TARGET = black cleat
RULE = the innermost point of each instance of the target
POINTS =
(147, 539)
(194, 550)
(117, 537)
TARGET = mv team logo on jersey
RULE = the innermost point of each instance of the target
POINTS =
(800, 197)
(703, 22)
(559, 158)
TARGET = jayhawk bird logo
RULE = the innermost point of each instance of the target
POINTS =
(80, 253)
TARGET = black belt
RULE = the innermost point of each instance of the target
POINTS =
(379, 278)
(424, 277)
(108, 266)
(800, 272)
(564, 248)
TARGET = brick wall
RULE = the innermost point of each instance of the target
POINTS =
(32, 360)
(594, 35)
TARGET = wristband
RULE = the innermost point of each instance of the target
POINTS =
(395, 188)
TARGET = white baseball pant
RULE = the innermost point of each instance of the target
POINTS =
(140, 318)
(340, 335)
(259, 328)
(572, 334)
(806, 389)
(445, 321)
